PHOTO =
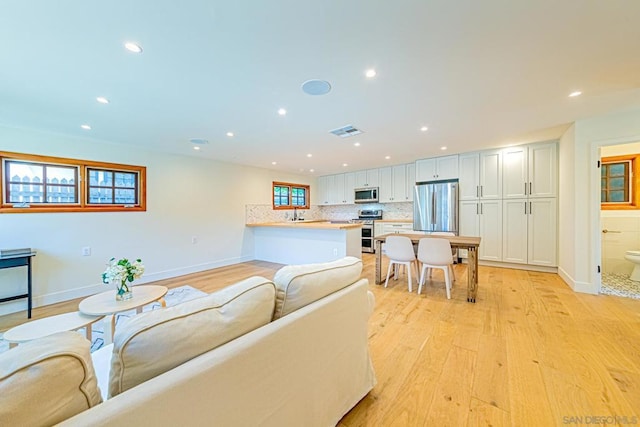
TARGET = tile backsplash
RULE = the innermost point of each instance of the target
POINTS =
(265, 213)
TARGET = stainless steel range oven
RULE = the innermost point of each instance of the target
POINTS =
(367, 218)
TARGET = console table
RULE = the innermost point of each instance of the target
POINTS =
(22, 260)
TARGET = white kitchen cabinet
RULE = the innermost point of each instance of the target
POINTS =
(336, 189)
(437, 168)
(480, 175)
(411, 180)
(483, 218)
(349, 186)
(322, 198)
(530, 231)
(367, 178)
(530, 171)
(393, 184)
(397, 227)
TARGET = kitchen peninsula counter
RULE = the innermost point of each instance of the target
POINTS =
(304, 242)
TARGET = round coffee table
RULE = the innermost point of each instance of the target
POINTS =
(50, 325)
(105, 304)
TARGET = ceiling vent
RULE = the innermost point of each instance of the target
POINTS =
(346, 131)
(198, 141)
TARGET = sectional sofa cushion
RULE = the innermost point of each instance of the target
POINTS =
(148, 344)
(46, 381)
(299, 285)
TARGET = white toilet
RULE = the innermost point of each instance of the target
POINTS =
(634, 257)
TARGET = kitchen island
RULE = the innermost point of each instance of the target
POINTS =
(304, 242)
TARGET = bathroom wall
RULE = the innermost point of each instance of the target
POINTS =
(623, 226)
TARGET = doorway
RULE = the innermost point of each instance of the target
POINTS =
(619, 218)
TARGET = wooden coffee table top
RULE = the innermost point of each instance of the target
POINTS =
(105, 303)
(49, 325)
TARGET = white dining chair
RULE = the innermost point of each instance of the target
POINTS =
(434, 252)
(399, 250)
(454, 251)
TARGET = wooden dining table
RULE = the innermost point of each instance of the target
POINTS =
(471, 244)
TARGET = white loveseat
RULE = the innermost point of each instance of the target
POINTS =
(307, 363)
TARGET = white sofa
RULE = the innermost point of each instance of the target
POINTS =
(308, 364)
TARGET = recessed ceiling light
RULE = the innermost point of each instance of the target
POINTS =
(85, 127)
(196, 148)
(356, 144)
(309, 155)
(229, 133)
(282, 111)
(102, 100)
(133, 47)
(274, 163)
(574, 94)
(424, 128)
(387, 157)
(311, 170)
(344, 165)
(370, 73)
(443, 148)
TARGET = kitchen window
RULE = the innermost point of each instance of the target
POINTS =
(32, 183)
(619, 179)
(289, 196)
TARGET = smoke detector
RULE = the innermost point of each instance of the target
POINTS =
(346, 131)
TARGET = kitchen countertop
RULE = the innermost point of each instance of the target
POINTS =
(311, 224)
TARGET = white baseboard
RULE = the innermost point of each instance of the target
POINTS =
(85, 291)
(528, 267)
(582, 287)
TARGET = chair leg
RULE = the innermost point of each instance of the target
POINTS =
(422, 273)
(386, 282)
(447, 281)
(453, 273)
(408, 269)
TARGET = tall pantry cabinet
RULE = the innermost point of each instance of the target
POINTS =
(480, 201)
(529, 233)
(508, 197)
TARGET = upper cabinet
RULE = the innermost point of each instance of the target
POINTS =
(394, 183)
(481, 175)
(367, 178)
(437, 168)
(530, 171)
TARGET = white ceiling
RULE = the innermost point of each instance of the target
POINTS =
(479, 74)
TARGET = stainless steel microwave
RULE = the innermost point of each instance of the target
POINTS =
(366, 195)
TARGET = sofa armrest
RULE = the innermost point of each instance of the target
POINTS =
(101, 360)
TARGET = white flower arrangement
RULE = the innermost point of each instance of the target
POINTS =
(122, 271)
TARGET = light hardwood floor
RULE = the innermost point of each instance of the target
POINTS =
(530, 352)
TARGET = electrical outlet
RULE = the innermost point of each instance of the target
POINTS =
(86, 251)
(194, 239)
(335, 251)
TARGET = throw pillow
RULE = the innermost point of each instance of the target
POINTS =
(299, 285)
(148, 344)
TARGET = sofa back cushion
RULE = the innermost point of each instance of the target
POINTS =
(46, 381)
(148, 344)
(299, 285)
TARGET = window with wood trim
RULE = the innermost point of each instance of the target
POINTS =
(286, 195)
(32, 183)
(619, 179)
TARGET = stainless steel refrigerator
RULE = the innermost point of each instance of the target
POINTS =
(435, 206)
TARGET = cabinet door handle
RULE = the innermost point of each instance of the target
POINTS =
(481, 209)
(530, 209)
(530, 188)
(525, 188)
(525, 208)
(482, 191)
(477, 208)
(477, 191)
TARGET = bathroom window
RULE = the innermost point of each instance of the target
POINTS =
(619, 179)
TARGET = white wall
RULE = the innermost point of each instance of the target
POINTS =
(584, 233)
(186, 197)
(566, 207)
